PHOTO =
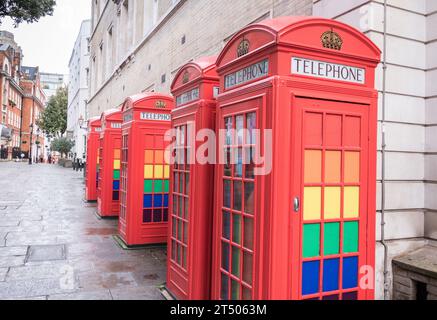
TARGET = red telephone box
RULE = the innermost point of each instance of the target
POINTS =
(300, 225)
(191, 196)
(108, 190)
(145, 177)
(92, 159)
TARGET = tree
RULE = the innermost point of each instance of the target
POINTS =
(25, 10)
(62, 145)
(53, 120)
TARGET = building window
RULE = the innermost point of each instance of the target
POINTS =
(163, 78)
(183, 40)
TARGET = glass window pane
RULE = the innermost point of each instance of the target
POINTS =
(224, 287)
(181, 183)
(186, 209)
(174, 227)
(238, 195)
(236, 254)
(236, 228)
(247, 294)
(239, 123)
(248, 233)
(179, 259)
(251, 126)
(176, 182)
(175, 205)
(187, 184)
(227, 193)
(228, 127)
(225, 256)
(227, 165)
(184, 254)
(173, 250)
(250, 163)
(226, 225)
(247, 267)
(185, 233)
(179, 230)
(238, 172)
(181, 206)
(235, 292)
(249, 188)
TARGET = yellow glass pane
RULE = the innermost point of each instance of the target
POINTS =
(351, 202)
(159, 171)
(148, 156)
(117, 154)
(312, 204)
(352, 167)
(166, 172)
(332, 203)
(313, 166)
(148, 172)
(116, 164)
(333, 166)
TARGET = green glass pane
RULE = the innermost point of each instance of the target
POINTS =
(236, 255)
(332, 238)
(311, 240)
(350, 237)
(116, 174)
(148, 186)
(158, 186)
(166, 186)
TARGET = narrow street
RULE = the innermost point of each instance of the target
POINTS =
(53, 246)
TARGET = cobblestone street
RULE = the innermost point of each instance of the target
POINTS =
(53, 246)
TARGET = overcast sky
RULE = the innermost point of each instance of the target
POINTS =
(48, 43)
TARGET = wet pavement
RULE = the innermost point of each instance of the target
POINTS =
(53, 246)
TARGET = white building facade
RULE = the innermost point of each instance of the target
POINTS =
(78, 90)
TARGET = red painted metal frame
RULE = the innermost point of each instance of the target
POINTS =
(131, 227)
(110, 140)
(94, 128)
(278, 101)
(192, 282)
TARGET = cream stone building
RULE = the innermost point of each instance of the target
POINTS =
(139, 45)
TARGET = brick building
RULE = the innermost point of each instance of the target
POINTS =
(139, 46)
(11, 95)
(34, 102)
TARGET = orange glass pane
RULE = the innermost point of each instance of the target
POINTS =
(313, 166)
(159, 156)
(149, 156)
(333, 166)
(117, 154)
(352, 167)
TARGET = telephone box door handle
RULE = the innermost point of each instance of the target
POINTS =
(296, 204)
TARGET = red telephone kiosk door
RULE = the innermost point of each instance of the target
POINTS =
(108, 201)
(295, 210)
(92, 161)
(191, 194)
(145, 173)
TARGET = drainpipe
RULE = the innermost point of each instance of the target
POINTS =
(383, 169)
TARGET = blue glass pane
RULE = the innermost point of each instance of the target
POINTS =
(116, 185)
(148, 201)
(310, 277)
(330, 274)
(166, 200)
(350, 273)
(157, 201)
